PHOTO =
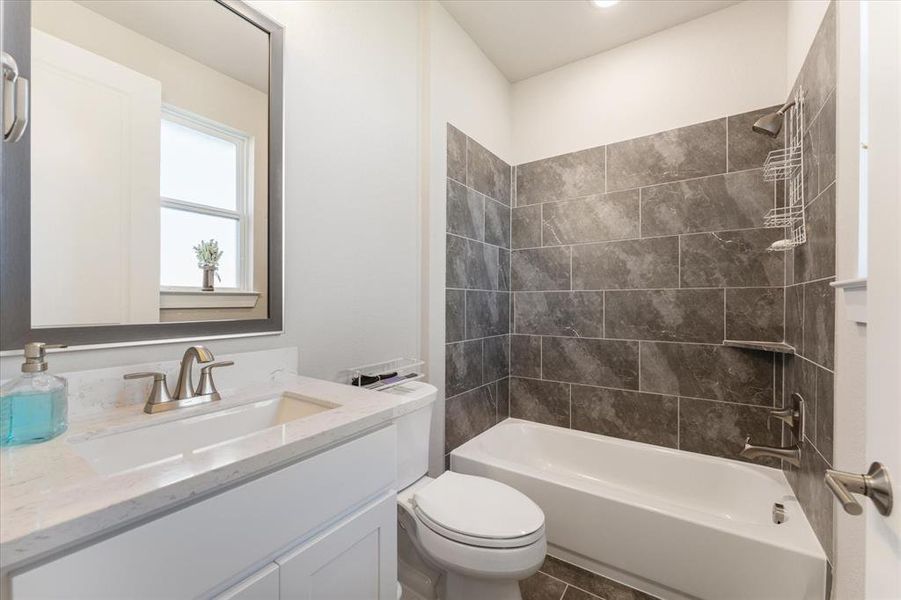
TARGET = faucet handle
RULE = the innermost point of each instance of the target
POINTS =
(206, 385)
(159, 392)
(786, 415)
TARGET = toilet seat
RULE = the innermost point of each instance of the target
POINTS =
(479, 512)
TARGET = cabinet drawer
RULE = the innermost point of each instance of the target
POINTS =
(262, 585)
(206, 546)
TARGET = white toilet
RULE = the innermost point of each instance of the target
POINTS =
(459, 536)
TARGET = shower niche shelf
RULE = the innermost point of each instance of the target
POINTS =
(778, 347)
(787, 165)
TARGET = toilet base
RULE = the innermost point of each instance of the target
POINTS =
(461, 587)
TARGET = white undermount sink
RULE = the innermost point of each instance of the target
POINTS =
(183, 438)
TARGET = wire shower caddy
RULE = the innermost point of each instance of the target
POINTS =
(787, 165)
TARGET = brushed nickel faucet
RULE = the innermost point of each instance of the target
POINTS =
(160, 400)
(794, 417)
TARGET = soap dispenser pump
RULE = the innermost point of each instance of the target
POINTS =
(33, 406)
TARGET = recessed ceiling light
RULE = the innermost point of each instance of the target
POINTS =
(604, 3)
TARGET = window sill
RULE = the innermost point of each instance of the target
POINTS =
(196, 298)
(855, 297)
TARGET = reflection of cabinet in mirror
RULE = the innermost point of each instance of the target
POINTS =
(95, 172)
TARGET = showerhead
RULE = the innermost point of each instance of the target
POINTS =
(771, 124)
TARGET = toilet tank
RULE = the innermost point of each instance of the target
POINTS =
(413, 433)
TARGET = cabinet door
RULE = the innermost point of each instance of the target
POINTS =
(354, 560)
(262, 585)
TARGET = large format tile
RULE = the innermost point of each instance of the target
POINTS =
(755, 314)
(670, 315)
(716, 203)
(720, 428)
(692, 151)
(540, 401)
(455, 261)
(732, 258)
(629, 264)
(824, 149)
(465, 211)
(526, 226)
(456, 154)
(525, 356)
(633, 416)
(497, 223)
(487, 173)
(592, 219)
(468, 415)
(503, 399)
(487, 313)
(541, 587)
(707, 371)
(503, 270)
(574, 314)
(825, 417)
(495, 358)
(818, 74)
(541, 269)
(815, 259)
(611, 363)
(454, 315)
(481, 266)
(747, 148)
(794, 315)
(819, 323)
(561, 177)
(590, 582)
(462, 367)
(815, 498)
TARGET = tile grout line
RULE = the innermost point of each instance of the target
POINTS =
(648, 392)
(632, 239)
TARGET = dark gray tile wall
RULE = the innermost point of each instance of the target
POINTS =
(477, 323)
(631, 263)
(809, 299)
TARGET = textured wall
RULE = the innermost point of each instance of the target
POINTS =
(477, 322)
(809, 299)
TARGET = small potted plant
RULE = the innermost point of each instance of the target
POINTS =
(208, 255)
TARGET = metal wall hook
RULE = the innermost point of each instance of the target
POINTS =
(876, 485)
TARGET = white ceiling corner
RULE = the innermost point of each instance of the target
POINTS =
(524, 38)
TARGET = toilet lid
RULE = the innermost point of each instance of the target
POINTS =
(476, 507)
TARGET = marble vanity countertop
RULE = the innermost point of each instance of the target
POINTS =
(52, 499)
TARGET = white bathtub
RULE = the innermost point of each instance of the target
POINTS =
(674, 524)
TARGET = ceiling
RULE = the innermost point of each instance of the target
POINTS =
(205, 31)
(527, 37)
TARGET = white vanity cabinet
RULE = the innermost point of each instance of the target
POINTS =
(324, 527)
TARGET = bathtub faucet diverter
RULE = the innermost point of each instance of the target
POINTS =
(793, 416)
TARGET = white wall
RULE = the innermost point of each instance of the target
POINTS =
(724, 63)
(351, 221)
(850, 337)
(802, 19)
(466, 90)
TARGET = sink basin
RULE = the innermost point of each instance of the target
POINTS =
(184, 438)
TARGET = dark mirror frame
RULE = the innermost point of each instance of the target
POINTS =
(15, 224)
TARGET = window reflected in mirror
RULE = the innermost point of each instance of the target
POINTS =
(149, 167)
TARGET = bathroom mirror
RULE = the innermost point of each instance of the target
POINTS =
(153, 174)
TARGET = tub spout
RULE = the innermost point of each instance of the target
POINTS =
(790, 454)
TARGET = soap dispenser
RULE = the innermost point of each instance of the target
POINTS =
(33, 406)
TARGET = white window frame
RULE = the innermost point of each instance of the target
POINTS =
(243, 193)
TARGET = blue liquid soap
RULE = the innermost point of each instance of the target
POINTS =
(33, 408)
